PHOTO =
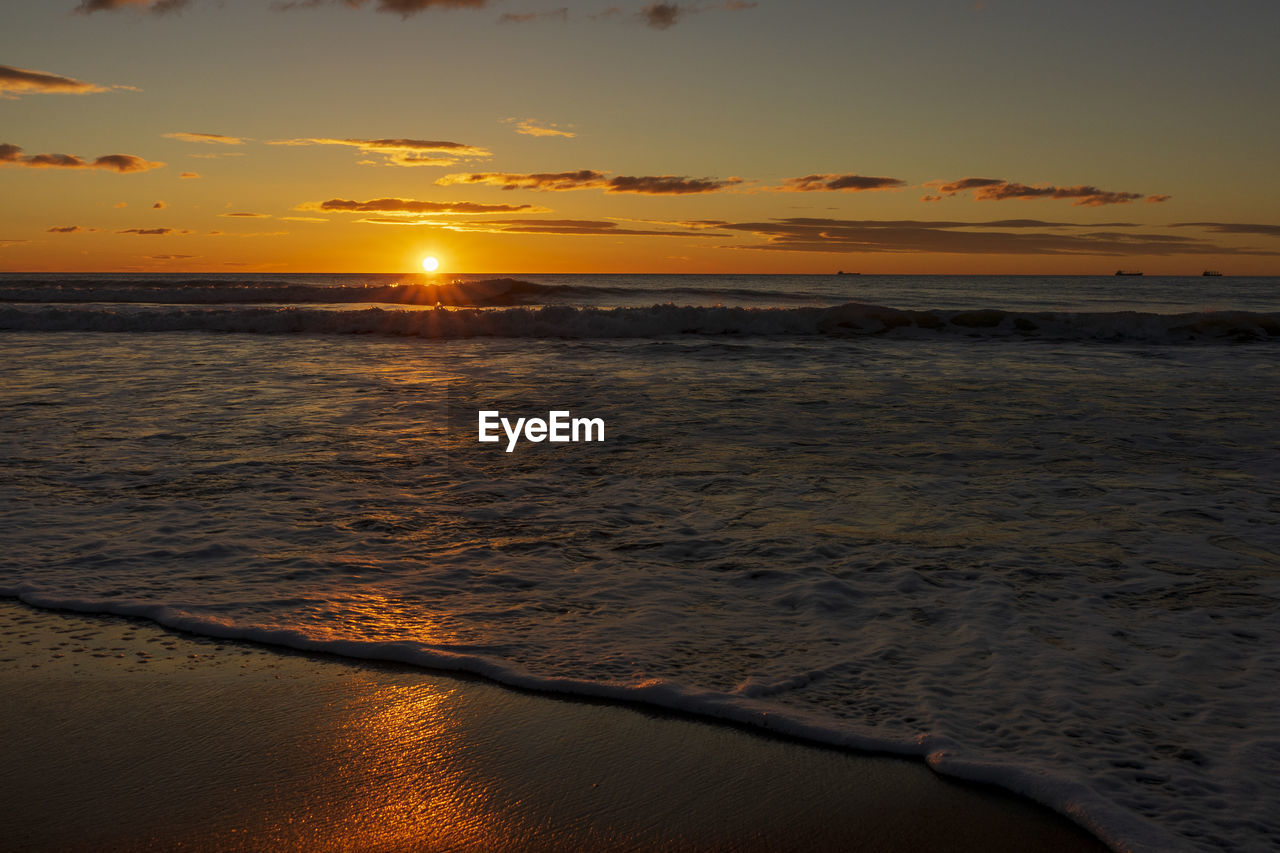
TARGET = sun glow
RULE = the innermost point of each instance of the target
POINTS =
(430, 264)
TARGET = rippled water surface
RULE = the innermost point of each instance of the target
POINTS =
(1048, 565)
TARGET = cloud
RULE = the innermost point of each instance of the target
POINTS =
(525, 17)
(1232, 228)
(998, 189)
(584, 179)
(1158, 199)
(410, 206)
(11, 155)
(532, 127)
(583, 227)
(246, 215)
(1006, 237)
(304, 219)
(22, 81)
(660, 16)
(4, 243)
(204, 138)
(158, 7)
(189, 175)
(160, 205)
(663, 16)
(171, 257)
(403, 8)
(668, 185)
(68, 229)
(551, 181)
(688, 224)
(842, 183)
(402, 221)
(402, 152)
(150, 232)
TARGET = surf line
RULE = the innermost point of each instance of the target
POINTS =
(560, 427)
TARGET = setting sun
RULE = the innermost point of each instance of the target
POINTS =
(430, 264)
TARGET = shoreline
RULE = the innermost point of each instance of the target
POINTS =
(135, 736)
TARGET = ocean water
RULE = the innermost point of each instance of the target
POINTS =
(1024, 528)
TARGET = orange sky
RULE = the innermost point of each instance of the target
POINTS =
(500, 136)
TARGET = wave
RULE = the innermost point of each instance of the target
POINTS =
(1096, 814)
(457, 294)
(497, 291)
(657, 321)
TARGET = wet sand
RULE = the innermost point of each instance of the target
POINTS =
(122, 735)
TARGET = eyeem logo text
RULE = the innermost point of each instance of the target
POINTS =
(559, 427)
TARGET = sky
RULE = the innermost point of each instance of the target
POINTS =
(717, 136)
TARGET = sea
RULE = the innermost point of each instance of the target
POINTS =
(1025, 529)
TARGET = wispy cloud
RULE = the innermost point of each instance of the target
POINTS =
(403, 8)
(1004, 237)
(584, 179)
(246, 215)
(189, 175)
(657, 15)
(205, 138)
(68, 229)
(533, 127)
(660, 16)
(668, 184)
(24, 81)
(688, 224)
(11, 155)
(154, 232)
(413, 207)
(581, 227)
(157, 7)
(402, 152)
(663, 16)
(999, 189)
(561, 14)
(840, 183)
(551, 181)
(172, 257)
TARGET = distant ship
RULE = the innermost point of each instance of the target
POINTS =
(1211, 272)
(1128, 272)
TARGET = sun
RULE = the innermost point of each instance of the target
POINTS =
(430, 264)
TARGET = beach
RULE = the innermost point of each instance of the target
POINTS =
(125, 736)
(1029, 546)
(653, 426)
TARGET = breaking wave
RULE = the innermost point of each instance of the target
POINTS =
(565, 321)
(493, 292)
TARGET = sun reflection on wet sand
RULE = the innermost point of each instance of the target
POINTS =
(400, 747)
